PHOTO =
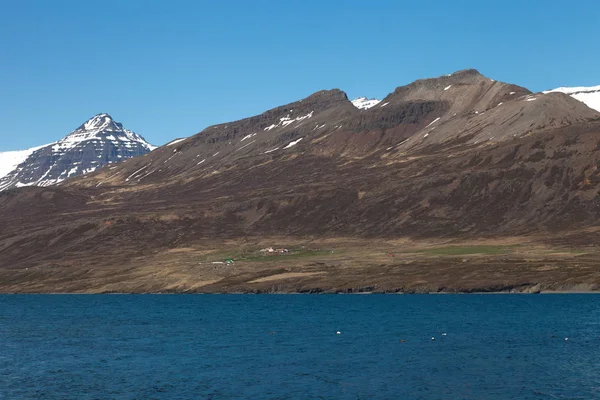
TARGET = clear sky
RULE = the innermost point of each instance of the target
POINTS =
(170, 68)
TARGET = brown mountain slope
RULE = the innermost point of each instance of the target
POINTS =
(456, 157)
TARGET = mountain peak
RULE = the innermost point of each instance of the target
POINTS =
(325, 97)
(466, 72)
(98, 122)
(101, 125)
(97, 142)
(463, 76)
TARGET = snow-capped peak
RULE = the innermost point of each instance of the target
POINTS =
(98, 122)
(590, 96)
(97, 142)
(101, 126)
(362, 103)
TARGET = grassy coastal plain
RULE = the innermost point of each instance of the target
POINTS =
(337, 265)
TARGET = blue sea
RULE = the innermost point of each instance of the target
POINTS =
(288, 347)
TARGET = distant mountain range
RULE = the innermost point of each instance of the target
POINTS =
(98, 142)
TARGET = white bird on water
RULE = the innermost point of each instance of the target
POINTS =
(338, 333)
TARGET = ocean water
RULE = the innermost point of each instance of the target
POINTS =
(287, 347)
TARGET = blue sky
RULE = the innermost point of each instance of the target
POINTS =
(168, 69)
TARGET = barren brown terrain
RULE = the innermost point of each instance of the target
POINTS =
(342, 265)
(453, 184)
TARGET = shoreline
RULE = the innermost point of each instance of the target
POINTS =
(324, 293)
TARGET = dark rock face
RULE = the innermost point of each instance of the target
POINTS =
(97, 142)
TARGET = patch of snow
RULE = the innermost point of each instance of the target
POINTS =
(201, 162)
(176, 141)
(447, 87)
(433, 122)
(285, 121)
(592, 100)
(295, 142)
(384, 104)
(72, 171)
(136, 172)
(362, 103)
(272, 150)
(19, 184)
(512, 93)
(248, 136)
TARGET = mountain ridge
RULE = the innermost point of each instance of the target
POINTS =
(456, 102)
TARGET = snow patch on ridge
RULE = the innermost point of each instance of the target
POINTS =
(175, 141)
(590, 96)
(433, 122)
(285, 121)
(248, 136)
(362, 103)
(295, 142)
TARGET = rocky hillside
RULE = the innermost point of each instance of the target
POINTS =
(97, 142)
(460, 156)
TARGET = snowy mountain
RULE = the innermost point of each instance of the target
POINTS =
(587, 95)
(362, 103)
(98, 142)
